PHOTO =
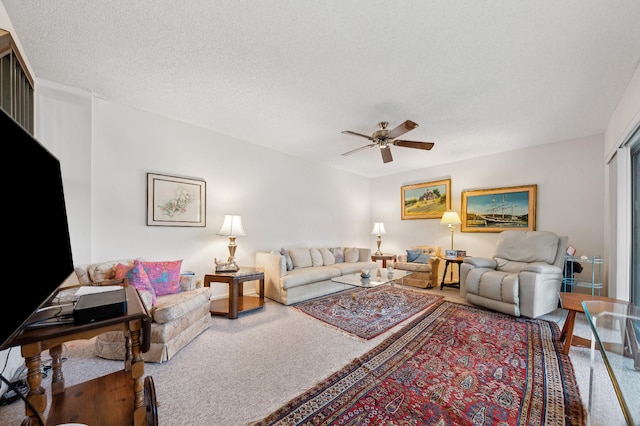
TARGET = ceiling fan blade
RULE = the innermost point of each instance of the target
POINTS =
(359, 149)
(386, 154)
(349, 132)
(402, 129)
(414, 144)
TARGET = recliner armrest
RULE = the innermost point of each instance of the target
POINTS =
(542, 268)
(481, 262)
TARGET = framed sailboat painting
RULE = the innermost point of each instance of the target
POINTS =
(499, 209)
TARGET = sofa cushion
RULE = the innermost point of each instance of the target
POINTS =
(527, 246)
(301, 258)
(413, 266)
(172, 306)
(163, 276)
(327, 257)
(351, 254)
(287, 259)
(303, 276)
(316, 257)
(338, 254)
(413, 255)
(137, 277)
(422, 258)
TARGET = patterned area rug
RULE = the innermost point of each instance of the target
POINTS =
(453, 365)
(367, 313)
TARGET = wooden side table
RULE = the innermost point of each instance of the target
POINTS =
(448, 260)
(572, 302)
(123, 397)
(237, 301)
(384, 257)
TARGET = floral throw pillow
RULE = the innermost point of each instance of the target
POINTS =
(137, 277)
(163, 276)
(338, 254)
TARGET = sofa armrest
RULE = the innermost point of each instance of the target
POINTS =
(274, 266)
(481, 262)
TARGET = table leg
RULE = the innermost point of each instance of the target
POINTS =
(57, 379)
(36, 396)
(137, 371)
(234, 289)
(566, 335)
(446, 265)
(261, 291)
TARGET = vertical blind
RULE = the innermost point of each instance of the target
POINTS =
(16, 84)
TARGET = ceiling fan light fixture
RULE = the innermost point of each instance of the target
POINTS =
(385, 138)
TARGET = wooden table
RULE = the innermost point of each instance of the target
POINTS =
(448, 260)
(384, 257)
(237, 301)
(572, 302)
(117, 398)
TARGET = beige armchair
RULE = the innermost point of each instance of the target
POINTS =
(523, 277)
(423, 275)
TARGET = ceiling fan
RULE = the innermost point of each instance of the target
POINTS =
(385, 138)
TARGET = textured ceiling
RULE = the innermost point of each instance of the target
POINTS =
(479, 77)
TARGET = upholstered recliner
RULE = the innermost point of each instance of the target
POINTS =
(423, 275)
(523, 277)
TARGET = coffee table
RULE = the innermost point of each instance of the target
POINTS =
(377, 277)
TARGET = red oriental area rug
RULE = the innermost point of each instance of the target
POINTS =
(367, 312)
(453, 365)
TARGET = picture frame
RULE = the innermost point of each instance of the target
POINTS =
(499, 209)
(427, 200)
(175, 201)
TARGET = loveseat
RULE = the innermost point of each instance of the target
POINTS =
(423, 262)
(298, 274)
(177, 318)
(523, 276)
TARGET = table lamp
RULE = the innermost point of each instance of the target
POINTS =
(378, 229)
(451, 219)
(232, 228)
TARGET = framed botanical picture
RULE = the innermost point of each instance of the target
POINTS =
(499, 209)
(175, 201)
(428, 200)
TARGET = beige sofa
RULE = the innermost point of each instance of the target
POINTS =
(423, 275)
(523, 276)
(176, 318)
(310, 271)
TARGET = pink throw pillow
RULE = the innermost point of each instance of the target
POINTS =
(163, 276)
(137, 277)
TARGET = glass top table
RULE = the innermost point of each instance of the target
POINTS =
(615, 330)
(377, 277)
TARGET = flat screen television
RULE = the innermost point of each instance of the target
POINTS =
(36, 234)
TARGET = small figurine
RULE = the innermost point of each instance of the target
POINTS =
(226, 266)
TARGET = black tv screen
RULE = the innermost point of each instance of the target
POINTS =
(36, 231)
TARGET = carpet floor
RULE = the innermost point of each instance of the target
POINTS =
(239, 371)
(367, 313)
(453, 365)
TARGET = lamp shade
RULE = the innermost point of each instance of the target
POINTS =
(232, 226)
(450, 218)
(378, 229)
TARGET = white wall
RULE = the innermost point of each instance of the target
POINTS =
(289, 202)
(570, 194)
(284, 201)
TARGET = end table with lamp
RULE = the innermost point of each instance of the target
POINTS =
(451, 219)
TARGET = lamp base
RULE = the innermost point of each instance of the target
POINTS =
(378, 253)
